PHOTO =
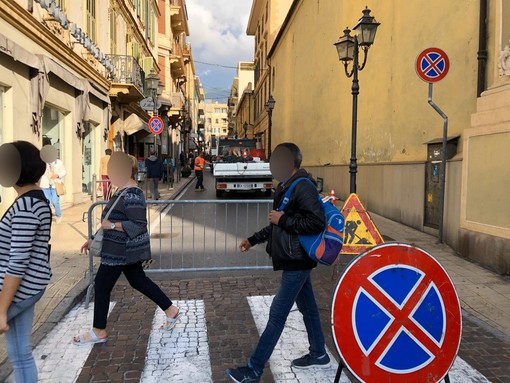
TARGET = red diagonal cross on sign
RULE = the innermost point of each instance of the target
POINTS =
(355, 321)
(401, 317)
(433, 64)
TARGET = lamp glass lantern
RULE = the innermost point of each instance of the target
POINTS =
(161, 87)
(270, 104)
(366, 29)
(152, 81)
(345, 46)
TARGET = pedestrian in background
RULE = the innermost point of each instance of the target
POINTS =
(126, 246)
(55, 173)
(154, 168)
(199, 172)
(303, 215)
(103, 173)
(24, 261)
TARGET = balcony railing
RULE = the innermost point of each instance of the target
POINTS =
(127, 71)
(177, 3)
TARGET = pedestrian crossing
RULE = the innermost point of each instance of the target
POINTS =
(182, 355)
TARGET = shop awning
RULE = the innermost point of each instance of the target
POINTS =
(133, 124)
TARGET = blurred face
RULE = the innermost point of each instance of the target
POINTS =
(119, 168)
(282, 163)
(10, 165)
(49, 153)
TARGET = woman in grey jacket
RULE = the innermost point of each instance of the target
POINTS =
(126, 245)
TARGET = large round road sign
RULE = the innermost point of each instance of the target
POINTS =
(156, 125)
(396, 316)
(432, 65)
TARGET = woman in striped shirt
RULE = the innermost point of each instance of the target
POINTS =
(24, 256)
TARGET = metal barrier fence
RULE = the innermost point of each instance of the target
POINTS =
(198, 235)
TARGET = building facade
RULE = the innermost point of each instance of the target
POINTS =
(264, 23)
(240, 102)
(216, 121)
(398, 132)
(73, 74)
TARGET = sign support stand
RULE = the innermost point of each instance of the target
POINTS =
(341, 367)
(443, 161)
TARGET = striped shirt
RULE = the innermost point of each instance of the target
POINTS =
(24, 244)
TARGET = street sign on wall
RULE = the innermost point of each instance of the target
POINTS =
(396, 316)
(148, 104)
(156, 125)
(432, 65)
(360, 232)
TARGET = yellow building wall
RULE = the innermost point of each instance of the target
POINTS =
(313, 95)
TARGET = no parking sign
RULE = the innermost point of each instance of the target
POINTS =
(396, 316)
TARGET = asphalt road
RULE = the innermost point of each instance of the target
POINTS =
(200, 231)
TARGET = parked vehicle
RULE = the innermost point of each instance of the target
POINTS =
(240, 167)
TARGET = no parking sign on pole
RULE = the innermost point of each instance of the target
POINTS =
(396, 316)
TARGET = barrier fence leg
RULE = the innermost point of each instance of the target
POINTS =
(447, 378)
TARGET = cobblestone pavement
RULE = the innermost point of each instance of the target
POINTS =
(219, 310)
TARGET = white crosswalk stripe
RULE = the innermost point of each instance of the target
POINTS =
(292, 344)
(182, 354)
(57, 358)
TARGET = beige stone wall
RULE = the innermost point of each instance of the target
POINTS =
(313, 99)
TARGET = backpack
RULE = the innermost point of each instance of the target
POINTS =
(323, 247)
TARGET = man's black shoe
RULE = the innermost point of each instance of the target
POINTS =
(308, 361)
(243, 375)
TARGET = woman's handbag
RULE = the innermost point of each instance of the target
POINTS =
(60, 188)
(97, 243)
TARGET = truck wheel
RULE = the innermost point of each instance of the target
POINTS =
(219, 193)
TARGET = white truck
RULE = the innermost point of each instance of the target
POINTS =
(237, 168)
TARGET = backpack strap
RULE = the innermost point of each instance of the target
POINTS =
(290, 190)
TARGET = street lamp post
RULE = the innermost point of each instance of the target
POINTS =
(184, 128)
(245, 127)
(348, 48)
(269, 109)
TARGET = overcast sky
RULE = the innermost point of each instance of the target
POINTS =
(218, 36)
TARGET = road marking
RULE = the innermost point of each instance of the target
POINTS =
(180, 355)
(292, 344)
(57, 358)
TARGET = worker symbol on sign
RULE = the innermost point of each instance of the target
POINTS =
(360, 231)
(350, 234)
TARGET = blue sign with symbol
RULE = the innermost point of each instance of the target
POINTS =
(403, 351)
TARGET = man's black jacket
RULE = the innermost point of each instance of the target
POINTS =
(303, 215)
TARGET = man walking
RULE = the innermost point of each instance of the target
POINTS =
(199, 172)
(302, 215)
(154, 167)
(103, 173)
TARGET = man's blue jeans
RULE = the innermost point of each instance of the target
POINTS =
(296, 286)
(20, 317)
(51, 195)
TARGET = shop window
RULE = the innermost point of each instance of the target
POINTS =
(53, 129)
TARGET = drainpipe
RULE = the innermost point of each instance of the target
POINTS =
(482, 48)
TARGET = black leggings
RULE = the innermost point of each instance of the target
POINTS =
(106, 278)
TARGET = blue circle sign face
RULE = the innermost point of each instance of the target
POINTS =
(396, 316)
(432, 65)
(156, 125)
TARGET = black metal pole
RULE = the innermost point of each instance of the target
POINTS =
(353, 167)
(270, 114)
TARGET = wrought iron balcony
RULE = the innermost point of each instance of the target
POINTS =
(129, 78)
